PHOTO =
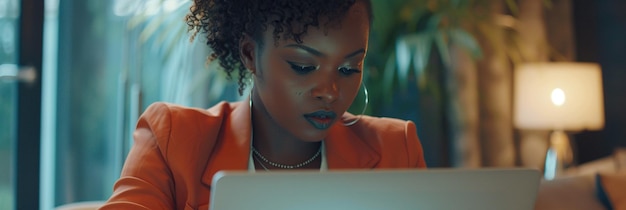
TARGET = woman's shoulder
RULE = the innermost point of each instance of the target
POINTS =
(395, 140)
(160, 111)
(172, 121)
(180, 131)
(176, 110)
(381, 131)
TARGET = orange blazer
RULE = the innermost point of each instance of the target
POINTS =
(177, 150)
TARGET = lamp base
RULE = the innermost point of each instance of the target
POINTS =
(559, 155)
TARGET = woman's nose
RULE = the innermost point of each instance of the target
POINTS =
(327, 92)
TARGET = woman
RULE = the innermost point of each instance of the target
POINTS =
(306, 61)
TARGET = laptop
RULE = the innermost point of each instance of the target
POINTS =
(400, 189)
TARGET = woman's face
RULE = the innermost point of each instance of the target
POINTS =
(305, 88)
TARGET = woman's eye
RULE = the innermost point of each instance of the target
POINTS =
(301, 69)
(348, 71)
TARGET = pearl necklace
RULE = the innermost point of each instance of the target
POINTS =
(278, 165)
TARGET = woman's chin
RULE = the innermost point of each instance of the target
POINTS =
(314, 136)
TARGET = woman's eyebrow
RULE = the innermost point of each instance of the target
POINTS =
(320, 54)
(355, 53)
(307, 49)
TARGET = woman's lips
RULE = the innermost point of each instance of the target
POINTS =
(321, 119)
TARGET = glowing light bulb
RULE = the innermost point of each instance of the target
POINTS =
(558, 97)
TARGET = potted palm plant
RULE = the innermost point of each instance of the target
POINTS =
(439, 51)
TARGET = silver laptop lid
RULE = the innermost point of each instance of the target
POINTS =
(469, 189)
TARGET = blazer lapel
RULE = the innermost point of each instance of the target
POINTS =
(344, 149)
(232, 146)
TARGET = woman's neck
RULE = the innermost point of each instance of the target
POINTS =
(277, 144)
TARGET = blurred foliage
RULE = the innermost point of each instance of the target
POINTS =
(162, 29)
(410, 41)
(161, 24)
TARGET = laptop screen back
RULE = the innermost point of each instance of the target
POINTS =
(479, 189)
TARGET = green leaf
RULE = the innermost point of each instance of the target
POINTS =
(136, 21)
(169, 28)
(151, 27)
(390, 68)
(422, 44)
(176, 42)
(417, 15)
(434, 22)
(403, 60)
(421, 62)
(441, 40)
(466, 40)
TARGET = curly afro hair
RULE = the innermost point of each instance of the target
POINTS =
(225, 22)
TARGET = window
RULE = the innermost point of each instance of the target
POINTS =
(104, 63)
(9, 14)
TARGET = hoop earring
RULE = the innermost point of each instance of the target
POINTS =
(250, 100)
(364, 107)
(251, 83)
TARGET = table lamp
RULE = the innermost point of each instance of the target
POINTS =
(560, 97)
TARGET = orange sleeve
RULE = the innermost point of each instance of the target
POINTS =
(414, 147)
(146, 180)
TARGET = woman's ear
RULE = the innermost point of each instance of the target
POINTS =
(247, 50)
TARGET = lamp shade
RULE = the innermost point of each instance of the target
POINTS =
(558, 96)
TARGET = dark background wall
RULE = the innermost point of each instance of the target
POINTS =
(600, 36)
